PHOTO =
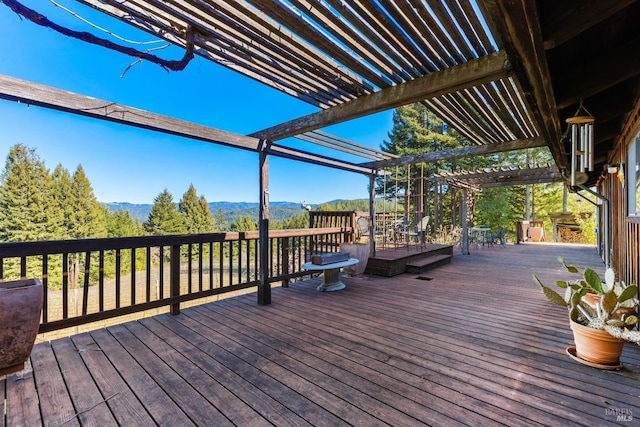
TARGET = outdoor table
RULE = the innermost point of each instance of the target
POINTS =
(331, 274)
(481, 233)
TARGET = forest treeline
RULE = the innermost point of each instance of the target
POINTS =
(39, 204)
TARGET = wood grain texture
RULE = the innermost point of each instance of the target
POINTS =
(467, 347)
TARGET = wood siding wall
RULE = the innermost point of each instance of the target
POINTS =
(625, 229)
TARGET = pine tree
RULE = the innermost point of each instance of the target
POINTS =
(27, 208)
(197, 216)
(221, 223)
(121, 224)
(207, 224)
(164, 217)
(244, 223)
(87, 216)
(416, 130)
(62, 194)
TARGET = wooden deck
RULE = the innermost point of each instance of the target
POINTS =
(461, 345)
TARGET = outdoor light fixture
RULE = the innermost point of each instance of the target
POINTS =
(617, 169)
(621, 174)
(580, 132)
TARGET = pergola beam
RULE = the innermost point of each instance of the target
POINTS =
(509, 177)
(486, 69)
(518, 24)
(457, 153)
(29, 93)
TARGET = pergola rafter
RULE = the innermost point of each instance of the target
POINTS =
(503, 176)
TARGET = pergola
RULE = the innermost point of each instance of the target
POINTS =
(505, 74)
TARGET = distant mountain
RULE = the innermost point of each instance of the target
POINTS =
(277, 210)
(140, 211)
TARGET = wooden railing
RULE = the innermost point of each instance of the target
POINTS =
(97, 279)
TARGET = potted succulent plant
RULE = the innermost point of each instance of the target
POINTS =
(603, 315)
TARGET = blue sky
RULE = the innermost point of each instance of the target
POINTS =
(125, 164)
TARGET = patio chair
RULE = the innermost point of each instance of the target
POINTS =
(362, 225)
(421, 228)
(499, 237)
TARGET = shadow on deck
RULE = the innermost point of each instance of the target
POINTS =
(476, 344)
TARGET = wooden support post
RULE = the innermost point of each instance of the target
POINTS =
(264, 288)
(464, 216)
(174, 283)
(372, 214)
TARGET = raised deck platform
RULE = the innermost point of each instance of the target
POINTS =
(412, 259)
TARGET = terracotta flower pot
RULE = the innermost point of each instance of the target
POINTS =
(591, 299)
(596, 346)
(624, 312)
(20, 309)
(360, 251)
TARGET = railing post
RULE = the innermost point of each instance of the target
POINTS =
(174, 281)
(285, 261)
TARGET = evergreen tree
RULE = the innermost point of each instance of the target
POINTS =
(164, 217)
(416, 130)
(121, 224)
(221, 223)
(27, 209)
(197, 216)
(87, 217)
(244, 223)
(293, 222)
(62, 195)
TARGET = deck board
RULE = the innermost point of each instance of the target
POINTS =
(89, 404)
(55, 403)
(21, 400)
(159, 361)
(201, 376)
(196, 347)
(460, 345)
(336, 374)
(123, 403)
(162, 409)
(259, 373)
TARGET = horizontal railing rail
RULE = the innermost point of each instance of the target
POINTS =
(89, 280)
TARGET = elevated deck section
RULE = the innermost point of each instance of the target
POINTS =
(411, 259)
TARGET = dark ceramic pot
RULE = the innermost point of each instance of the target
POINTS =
(20, 310)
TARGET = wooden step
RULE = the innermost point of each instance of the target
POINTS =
(424, 264)
(393, 261)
